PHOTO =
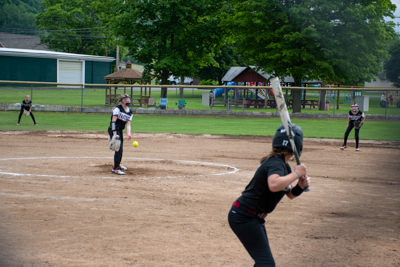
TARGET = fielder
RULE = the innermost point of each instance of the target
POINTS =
(355, 120)
(121, 116)
(271, 181)
(26, 107)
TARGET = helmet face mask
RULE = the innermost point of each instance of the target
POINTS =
(281, 140)
(354, 108)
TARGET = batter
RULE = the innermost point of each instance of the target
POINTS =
(270, 183)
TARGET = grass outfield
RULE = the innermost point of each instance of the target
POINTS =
(96, 97)
(318, 128)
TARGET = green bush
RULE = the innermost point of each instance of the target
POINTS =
(208, 82)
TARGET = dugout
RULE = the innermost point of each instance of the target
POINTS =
(50, 66)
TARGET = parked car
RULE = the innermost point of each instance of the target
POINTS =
(177, 80)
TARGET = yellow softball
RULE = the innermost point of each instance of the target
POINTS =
(135, 144)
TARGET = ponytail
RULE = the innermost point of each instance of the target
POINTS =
(277, 151)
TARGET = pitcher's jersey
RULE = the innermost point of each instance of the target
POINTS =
(123, 116)
(356, 117)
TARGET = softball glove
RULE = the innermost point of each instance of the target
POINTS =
(115, 143)
(358, 124)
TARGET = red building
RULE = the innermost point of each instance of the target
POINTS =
(248, 76)
(245, 76)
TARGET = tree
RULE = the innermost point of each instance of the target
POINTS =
(314, 39)
(392, 66)
(75, 26)
(224, 59)
(171, 37)
(18, 15)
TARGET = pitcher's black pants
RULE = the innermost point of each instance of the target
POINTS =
(251, 232)
(117, 154)
(30, 113)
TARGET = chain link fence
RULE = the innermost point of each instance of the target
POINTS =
(377, 101)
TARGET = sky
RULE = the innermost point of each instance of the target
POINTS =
(397, 14)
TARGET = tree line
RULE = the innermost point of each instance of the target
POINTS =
(337, 41)
(19, 15)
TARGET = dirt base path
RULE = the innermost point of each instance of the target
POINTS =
(60, 206)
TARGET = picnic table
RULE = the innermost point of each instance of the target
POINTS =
(256, 103)
(259, 103)
(140, 101)
(312, 103)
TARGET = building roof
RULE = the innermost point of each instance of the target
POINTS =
(51, 54)
(125, 74)
(233, 72)
(23, 41)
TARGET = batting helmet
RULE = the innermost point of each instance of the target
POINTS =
(281, 140)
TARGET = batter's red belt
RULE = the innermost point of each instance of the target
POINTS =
(237, 204)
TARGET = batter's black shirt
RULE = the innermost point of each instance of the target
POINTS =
(26, 105)
(123, 117)
(257, 195)
(356, 117)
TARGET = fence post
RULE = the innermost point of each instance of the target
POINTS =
(212, 101)
(338, 100)
(81, 98)
(228, 103)
(352, 96)
(386, 106)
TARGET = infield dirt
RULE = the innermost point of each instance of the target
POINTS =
(60, 206)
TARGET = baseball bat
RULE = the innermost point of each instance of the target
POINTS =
(285, 118)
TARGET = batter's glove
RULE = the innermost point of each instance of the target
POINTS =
(358, 124)
(26, 113)
(115, 143)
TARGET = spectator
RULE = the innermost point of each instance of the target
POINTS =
(383, 102)
(391, 98)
